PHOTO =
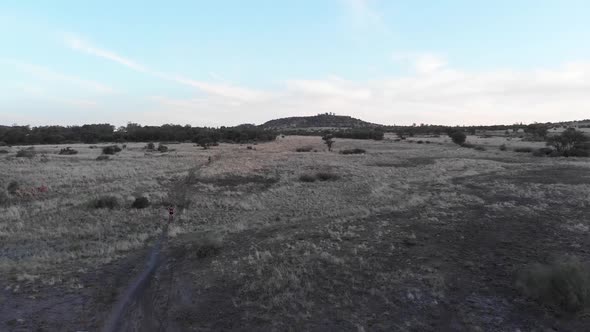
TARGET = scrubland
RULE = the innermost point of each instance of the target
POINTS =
(406, 236)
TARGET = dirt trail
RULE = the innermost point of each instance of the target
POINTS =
(134, 309)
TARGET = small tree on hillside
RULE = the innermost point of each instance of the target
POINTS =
(458, 137)
(328, 140)
(569, 140)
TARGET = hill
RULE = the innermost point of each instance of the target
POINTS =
(327, 120)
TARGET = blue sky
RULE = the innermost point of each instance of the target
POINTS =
(229, 62)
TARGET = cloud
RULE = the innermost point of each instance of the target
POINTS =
(223, 90)
(422, 63)
(79, 44)
(440, 95)
(362, 15)
(46, 73)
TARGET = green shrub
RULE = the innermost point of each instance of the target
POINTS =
(563, 283)
(102, 157)
(110, 202)
(141, 202)
(352, 151)
(420, 142)
(68, 151)
(326, 176)
(307, 178)
(150, 146)
(524, 150)
(304, 149)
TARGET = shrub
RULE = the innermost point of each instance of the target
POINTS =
(503, 147)
(458, 137)
(328, 140)
(468, 145)
(352, 151)
(110, 202)
(141, 202)
(563, 283)
(68, 151)
(150, 146)
(27, 153)
(542, 152)
(162, 148)
(326, 176)
(4, 198)
(524, 150)
(420, 142)
(304, 149)
(480, 148)
(13, 187)
(307, 178)
(103, 157)
(111, 149)
(3, 151)
(569, 140)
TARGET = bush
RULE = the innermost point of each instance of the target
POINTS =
(4, 151)
(458, 137)
(542, 152)
(13, 187)
(352, 151)
(4, 198)
(304, 149)
(420, 142)
(523, 150)
(110, 202)
(28, 153)
(162, 148)
(68, 151)
(102, 157)
(141, 202)
(150, 146)
(468, 145)
(570, 140)
(480, 148)
(326, 176)
(307, 178)
(503, 147)
(111, 149)
(564, 283)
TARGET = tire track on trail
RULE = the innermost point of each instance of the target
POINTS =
(131, 298)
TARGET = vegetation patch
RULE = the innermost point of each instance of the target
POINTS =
(307, 178)
(327, 176)
(68, 151)
(105, 202)
(26, 153)
(103, 157)
(352, 151)
(110, 150)
(563, 283)
(3, 151)
(304, 149)
(503, 147)
(140, 202)
(524, 150)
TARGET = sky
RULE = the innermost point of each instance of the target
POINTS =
(214, 63)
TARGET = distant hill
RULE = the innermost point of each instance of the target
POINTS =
(326, 120)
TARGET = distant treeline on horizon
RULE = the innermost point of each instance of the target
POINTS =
(133, 132)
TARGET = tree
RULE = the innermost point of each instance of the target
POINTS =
(568, 141)
(457, 136)
(328, 140)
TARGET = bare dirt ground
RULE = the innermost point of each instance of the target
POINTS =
(408, 237)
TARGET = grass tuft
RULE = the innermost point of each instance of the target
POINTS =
(352, 151)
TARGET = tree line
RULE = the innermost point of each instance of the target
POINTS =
(133, 132)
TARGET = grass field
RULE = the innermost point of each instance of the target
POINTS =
(404, 237)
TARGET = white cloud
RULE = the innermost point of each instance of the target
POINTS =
(45, 73)
(79, 44)
(422, 63)
(362, 14)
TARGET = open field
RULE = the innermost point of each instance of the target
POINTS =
(406, 237)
